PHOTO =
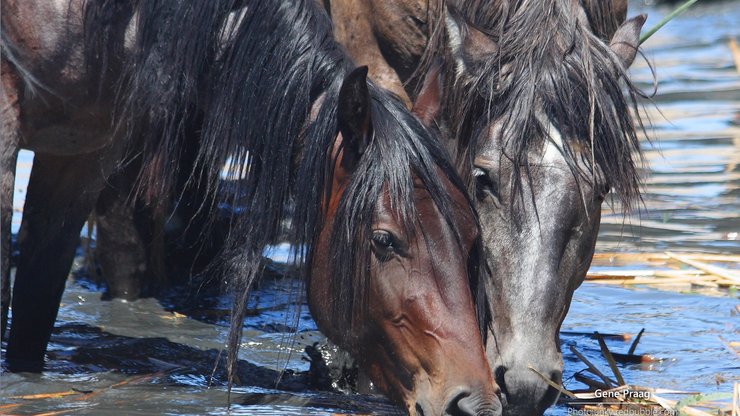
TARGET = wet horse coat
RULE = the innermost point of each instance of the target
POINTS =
(373, 185)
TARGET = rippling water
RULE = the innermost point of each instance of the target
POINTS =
(142, 358)
(692, 177)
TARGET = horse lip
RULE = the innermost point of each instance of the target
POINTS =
(493, 408)
(520, 411)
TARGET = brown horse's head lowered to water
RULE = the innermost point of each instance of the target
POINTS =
(390, 237)
(393, 266)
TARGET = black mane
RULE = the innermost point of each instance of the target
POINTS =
(550, 57)
(249, 81)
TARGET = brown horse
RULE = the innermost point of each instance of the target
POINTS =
(389, 236)
(531, 93)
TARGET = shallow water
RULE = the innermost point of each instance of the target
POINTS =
(163, 361)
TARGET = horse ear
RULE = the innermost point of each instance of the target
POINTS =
(626, 39)
(467, 44)
(429, 99)
(353, 117)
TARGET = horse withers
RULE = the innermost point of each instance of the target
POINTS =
(390, 238)
(532, 96)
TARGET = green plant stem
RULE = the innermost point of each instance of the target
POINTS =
(680, 9)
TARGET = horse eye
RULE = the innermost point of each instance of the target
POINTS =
(384, 245)
(383, 239)
(484, 184)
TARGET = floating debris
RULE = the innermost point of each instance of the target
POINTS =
(612, 395)
(78, 395)
(618, 337)
(735, 53)
(54, 395)
(666, 269)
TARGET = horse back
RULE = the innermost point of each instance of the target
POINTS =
(63, 103)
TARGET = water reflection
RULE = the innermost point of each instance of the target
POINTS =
(692, 180)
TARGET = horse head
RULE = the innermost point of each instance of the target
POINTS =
(543, 132)
(395, 259)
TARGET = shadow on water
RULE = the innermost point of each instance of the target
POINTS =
(157, 356)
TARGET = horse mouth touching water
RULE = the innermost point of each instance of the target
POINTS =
(390, 236)
(406, 315)
(532, 97)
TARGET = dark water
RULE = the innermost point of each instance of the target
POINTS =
(141, 358)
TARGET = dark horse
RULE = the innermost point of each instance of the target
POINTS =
(532, 93)
(389, 237)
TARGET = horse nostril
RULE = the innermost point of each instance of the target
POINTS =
(502, 392)
(419, 410)
(556, 376)
(501, 395)
(552, 394)
(462, 404)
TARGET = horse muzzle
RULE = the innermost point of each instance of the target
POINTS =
(526, 392)
(463, 401)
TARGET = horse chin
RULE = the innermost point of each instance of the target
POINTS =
(525, 410)
(456, 401)
(437, 395)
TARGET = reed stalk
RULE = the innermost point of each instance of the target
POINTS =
(680, 9)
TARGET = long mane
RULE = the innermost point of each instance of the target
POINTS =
(248, 78)
(550, 57)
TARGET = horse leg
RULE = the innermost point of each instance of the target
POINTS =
(8, 157)
(9, 141)
(131, 248)
(124, 240)
(61, 194)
